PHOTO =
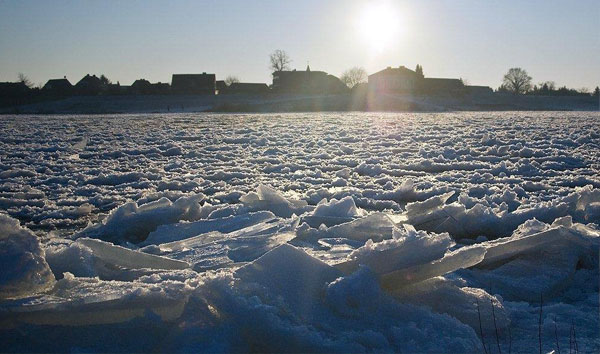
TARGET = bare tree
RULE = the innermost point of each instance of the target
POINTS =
(517, 81)
(231, 80)
(584, 90)
(280, 60)
(354, 76)
(24, 79)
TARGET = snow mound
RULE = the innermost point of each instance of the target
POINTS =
(22, 260)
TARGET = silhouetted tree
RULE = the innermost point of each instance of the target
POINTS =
(24, 79)
(231, 80)
(354, 76)
(104, 80)
(584, 91)
(517, 81)
(597, 92)
(419, 70)
(280, 60)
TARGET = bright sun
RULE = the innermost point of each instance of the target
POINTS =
(379, 25)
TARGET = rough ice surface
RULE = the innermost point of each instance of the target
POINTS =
(353, 232)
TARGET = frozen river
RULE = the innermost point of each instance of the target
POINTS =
(377, 231)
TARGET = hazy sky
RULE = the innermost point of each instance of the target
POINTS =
(127, 40)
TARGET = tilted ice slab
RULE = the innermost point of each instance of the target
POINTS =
(452, 261)
(124, 257)
(180, 231)
(523, 267)
(23, 267)
(374, 226)
(90, 301)
(132, 222)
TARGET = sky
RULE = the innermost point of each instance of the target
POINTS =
(128, 40)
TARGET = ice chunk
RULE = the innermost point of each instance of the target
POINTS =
(133, 223)
(266, 198)
(65, 255)
(443, 296)
(24, 270)
(124, 257)
(90, 301)
(462, 222)
(452, 261)
(183, 230)
(524, 266)
(344, 207)
(409, 249)
(376, 226)
(503, 249)
(292, 273)
(333, 212)
(417, 208)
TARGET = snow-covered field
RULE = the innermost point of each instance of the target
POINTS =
(336, 232)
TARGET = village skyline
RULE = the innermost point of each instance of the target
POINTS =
(133, 40)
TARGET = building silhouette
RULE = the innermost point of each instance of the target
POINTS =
(402, 80)
(194, 84)
(89, 85)
(394, 80)
(307, 82)
(58, 87)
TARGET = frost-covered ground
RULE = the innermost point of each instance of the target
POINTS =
(300, 232)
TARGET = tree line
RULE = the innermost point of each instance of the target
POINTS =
(517, 81)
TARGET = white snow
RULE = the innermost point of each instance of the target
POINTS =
(316, 232)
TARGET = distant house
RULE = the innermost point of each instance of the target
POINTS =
(196, 84)
(394, 80)
(144, 87)
(58, 87)
(89, 85)
(307, 82)
(403, 80)
(13, 89)
(141, 87)
(247, 88)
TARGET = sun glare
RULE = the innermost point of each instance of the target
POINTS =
(379, 25)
